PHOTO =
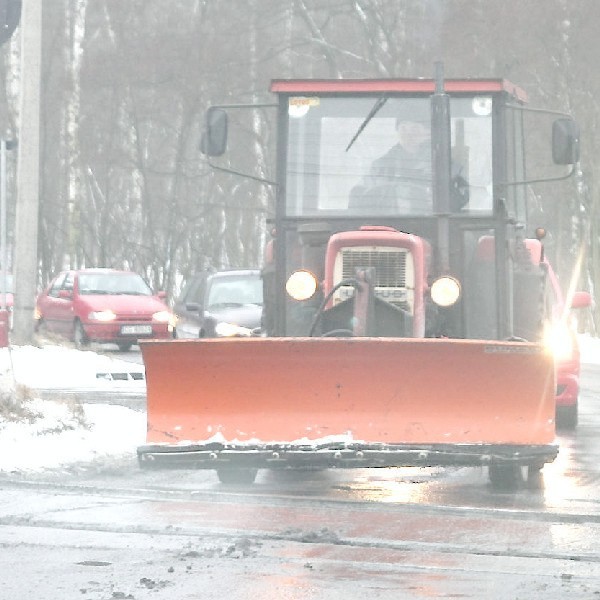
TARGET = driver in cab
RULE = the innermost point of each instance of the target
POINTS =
(400, 181)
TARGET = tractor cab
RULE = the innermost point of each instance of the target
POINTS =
(420, 182)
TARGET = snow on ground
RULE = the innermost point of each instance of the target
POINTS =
(58, 438)
(55, 367)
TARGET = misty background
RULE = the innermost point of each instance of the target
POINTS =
(125, 85)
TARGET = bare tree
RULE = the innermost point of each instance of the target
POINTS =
(126, 85)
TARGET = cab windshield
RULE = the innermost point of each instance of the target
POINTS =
(372, 156)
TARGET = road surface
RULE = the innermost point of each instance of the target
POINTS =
(104, 531)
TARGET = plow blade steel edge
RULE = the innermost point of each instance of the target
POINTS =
(381, 390)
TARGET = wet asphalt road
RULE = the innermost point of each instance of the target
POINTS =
(103, 531)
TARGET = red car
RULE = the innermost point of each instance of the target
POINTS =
(6, 294)
(103, 305)
(562, 338)
(6, 306)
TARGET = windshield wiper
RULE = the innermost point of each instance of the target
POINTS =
(376, 108)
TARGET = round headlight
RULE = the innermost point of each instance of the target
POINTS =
(445, 291)
(301, 285)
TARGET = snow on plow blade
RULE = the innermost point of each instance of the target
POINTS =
(349, 402)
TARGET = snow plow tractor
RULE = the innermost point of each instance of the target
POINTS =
(403, 297)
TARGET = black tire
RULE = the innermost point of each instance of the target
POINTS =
(505, 477)
(40, 327)
(125, 346)
(233, 476)
(535, 477)
(567, 417)
(80, 339)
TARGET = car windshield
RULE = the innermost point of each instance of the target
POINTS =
(129, 284)
(235, 291)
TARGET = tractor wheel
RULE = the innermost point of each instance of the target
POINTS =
(234, 476)
(505, 477)
(535, 477)
(567, 417)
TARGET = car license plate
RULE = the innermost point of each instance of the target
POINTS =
(136, 329)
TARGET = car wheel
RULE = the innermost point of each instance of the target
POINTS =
(79, 338)
(234, 475)
(40, 327)
(125, 346)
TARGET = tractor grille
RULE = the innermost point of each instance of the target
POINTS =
(390, 266)
(392, 282)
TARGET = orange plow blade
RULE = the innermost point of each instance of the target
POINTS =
(357, 392)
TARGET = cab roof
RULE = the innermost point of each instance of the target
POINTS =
(407, 86)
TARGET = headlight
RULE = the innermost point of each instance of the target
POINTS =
(445, 291)
(102, 315)
(559, 340)
(301, 285)
(231, 330)
(162, 316)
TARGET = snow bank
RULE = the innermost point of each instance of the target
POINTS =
(57, 438)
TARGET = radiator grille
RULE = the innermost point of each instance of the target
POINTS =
(390, 266)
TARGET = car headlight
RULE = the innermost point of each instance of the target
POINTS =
(102, 315)
(445, 291)
(301, 285)
(163, 316)
(224, 329)
(559, 340)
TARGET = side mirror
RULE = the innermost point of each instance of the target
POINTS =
(214, 136)
(565, 141)
(65, 294)
(581, 300)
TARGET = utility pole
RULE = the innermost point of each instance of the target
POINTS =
(28, 174)
(4, 146)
